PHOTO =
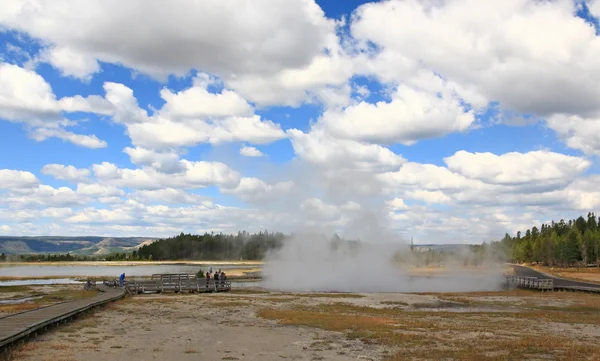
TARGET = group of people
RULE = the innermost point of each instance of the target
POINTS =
(219, 277)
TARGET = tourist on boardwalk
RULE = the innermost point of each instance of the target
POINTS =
(207, 279)
(122, 279)
(216, 279)
(223, 278)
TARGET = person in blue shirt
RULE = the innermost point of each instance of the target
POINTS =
(122, 279)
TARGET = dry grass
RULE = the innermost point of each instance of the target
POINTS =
(324, 295)
(60, 296)
(591, 275)
(15, 289)
(230, 304)
(244, 291)
(394, 303)
(459, 336)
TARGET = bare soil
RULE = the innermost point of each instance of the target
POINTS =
(252, 324)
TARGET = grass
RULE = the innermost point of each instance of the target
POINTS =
(60, 296)
(325, 295)
(15, 289)
(394, 303)
(462, 336)
(243, 291)
(591, 275)
(230, 304)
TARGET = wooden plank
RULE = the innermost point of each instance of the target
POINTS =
(16, 326)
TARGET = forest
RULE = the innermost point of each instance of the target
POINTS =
(240, 246)
(564, 244)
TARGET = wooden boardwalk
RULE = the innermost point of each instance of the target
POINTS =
(160, 283)
(16, 327)
(558, 284)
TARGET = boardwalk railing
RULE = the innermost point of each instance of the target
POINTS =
(173, 283)
(530, 282)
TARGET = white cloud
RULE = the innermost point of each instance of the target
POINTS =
(195, 175)
(255, 190)
(99, 190)
(577, 132)
(487, 48)
(396, 204)
(190, 117)
(517, 168)
(198, 102)
(169, 196)
(43, 195)
(319, 148)
(87, 141)
(10, 179)
(72, 63)
(25, 97)
(68, 173)
(250, 152)
(410, 116)
(234, 40)
(163, 162)
(428, 196)
(90, 104)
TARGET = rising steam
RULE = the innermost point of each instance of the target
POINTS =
(311, 263)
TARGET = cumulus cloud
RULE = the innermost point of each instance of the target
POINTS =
(411, 115)
(190, 117)
(194, 175)
(203, 35)
(250, 152)
(87, 141)
(68, 173)
(517, 168)
(25, 97)
(541, 46)
(322, 149)
(255, 190)
(10, 179)
(577, 132)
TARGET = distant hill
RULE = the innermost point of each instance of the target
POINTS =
(75, 245)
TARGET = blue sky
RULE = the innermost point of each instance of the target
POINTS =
(197, 122)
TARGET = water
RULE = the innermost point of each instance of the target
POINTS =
(49, 281)
(112, 271)
(19, 300)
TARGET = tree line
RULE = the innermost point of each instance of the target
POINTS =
(240, 246)
(564, 243)
(60, 257)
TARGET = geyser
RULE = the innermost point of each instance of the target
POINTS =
(311, 263)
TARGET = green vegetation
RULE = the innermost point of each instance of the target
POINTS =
(212, 246)
(576, 242)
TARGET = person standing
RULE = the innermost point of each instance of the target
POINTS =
(122, 280)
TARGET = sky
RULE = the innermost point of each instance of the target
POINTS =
(448, 121)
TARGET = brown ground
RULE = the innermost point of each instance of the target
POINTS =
(42, 295)
(579, 274)
(264, 326)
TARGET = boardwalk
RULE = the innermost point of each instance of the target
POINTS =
(558, 283)
(20, 325)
